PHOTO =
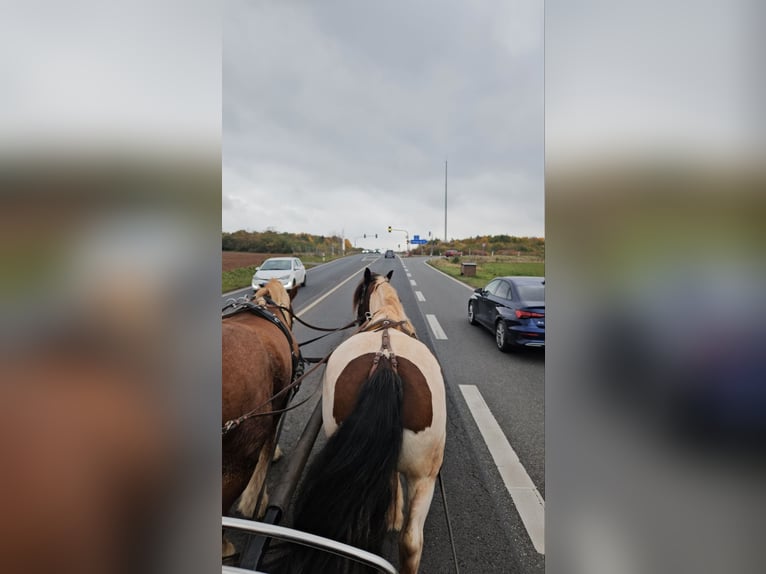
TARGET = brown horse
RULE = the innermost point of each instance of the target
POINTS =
(259, 356)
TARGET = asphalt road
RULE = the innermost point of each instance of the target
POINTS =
(490, 535)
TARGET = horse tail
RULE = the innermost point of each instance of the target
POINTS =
(348, 487)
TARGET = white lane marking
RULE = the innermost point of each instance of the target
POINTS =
(231, 293)
(436, 329)
(412, 282)
(420, 296)
(349, 278)
(525, 495)
(409, 274)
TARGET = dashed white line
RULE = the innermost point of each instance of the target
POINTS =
(436, 329)
(525, 495)
(412, 282)
(420, 296)
(409, 274)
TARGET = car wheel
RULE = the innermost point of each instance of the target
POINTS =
(471, 316)
(306, 276)
(501, 337)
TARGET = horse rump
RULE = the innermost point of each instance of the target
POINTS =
(348, 488)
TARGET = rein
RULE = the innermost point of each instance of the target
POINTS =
(314, 327)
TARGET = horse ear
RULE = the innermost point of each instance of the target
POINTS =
(389, 274)
(367, 275)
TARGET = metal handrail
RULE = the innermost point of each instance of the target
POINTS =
(318, 542)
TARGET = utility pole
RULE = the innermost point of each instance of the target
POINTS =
(445, 201)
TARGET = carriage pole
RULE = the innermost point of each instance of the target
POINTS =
(280, 498)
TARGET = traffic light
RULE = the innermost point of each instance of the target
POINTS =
(389, 229)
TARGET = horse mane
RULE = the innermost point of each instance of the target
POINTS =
(390, 305)
(358, 293)
(273, 290)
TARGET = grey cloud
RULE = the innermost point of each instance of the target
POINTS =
(348, 113)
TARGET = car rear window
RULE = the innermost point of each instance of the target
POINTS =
(276, 265)
(531, 292)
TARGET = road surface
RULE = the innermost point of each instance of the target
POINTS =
(494, 469)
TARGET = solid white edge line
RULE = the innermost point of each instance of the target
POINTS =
(231, 293)
(447, 276)
(436, 328)
(526, 497)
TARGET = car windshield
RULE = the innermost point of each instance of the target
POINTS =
(275, 266)
(531, 292)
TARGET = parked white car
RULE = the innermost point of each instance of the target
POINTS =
(289, 270)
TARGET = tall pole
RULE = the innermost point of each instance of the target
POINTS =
(445, 201)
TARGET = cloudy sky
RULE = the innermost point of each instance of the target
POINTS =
(339, 116)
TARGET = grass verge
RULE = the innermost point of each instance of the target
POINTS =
(487, 269)
(237, 278)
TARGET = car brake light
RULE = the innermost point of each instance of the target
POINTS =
(528, 314)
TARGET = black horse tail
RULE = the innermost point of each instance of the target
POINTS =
(348, 488)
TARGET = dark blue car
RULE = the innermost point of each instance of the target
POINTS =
(513, 308)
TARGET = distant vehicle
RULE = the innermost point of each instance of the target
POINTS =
(377, 251)
(513, 308)
(389, 254)
(289, 270)
(452, 253)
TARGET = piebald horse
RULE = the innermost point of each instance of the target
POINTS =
(258, 360)
(383, 409)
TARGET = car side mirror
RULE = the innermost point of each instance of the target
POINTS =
(479, 290)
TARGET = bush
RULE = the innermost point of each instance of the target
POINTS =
(455, 259)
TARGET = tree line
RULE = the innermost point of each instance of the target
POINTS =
(271, 241)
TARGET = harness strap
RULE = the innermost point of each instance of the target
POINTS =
(385, 347)
(264, 313)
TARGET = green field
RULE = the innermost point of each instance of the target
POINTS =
(487, 268)
(237, 278)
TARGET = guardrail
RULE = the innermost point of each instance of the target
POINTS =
(318, 542)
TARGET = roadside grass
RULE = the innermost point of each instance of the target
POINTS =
(488, 268)
(243, 276)
(237, 278)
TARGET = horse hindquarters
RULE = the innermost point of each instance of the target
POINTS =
(347, 491)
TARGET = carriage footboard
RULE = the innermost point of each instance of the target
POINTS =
(318, 542)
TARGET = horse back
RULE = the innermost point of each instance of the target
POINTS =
(349, 368)
(256, 364)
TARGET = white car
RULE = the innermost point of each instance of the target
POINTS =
(289, 270)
